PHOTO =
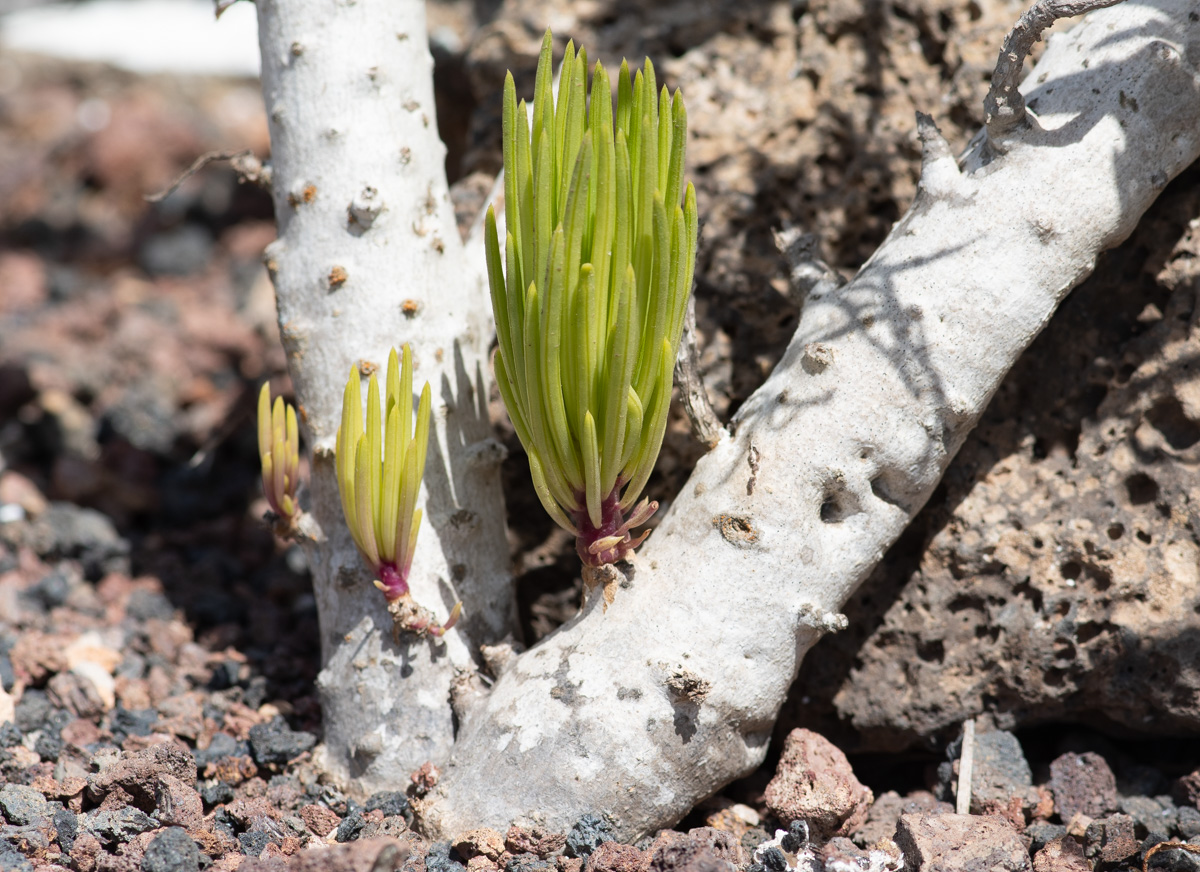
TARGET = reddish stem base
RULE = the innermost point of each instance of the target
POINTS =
(611, 541)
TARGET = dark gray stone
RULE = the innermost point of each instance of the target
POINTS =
(253, 842)
(350, 826)
(31, 711)
(999, 770)
(172, 851)
(589, 832)
(277, 743)
(1150, 814)
(1042, 832)
(438, 859)
(146, 604)
(391, 803)
(1188, 822)
(22, 805)
(66, 824)
(119, 826)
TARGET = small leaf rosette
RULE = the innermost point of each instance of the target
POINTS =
(590, 290)
(379, 470)
(279, 451)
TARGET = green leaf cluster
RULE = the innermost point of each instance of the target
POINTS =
(279, 451)
(379, 470)
(590, 289)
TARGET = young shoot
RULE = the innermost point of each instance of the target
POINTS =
(590, 290)
(379, 471)
(279, 451)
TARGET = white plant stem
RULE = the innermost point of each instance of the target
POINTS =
(642, 709)
(368, 258)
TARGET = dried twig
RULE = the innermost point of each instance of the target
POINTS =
(248, 167)
(1163, 846)
(1004, 105)
(706, 426)
(966, 761)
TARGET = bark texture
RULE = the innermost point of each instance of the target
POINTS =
(368, 257)
(643, 708)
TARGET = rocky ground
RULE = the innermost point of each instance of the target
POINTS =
(156, 640)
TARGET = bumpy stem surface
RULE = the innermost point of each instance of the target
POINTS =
(834, 454)
(368, 257)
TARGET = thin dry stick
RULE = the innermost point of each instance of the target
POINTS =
(966, 761)
(244, 168)
(706, 426)
(1004, 105)
(1163, 846)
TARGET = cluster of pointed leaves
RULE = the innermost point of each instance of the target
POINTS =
(379, 470)
(279, 450)
(591, 288)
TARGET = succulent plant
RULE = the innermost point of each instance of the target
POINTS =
(279, 451)
(590, 290)
(379, 470)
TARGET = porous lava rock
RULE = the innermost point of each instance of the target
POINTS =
(814, 783)
(960, 843)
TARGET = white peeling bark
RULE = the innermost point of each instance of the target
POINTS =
(647, 708)
(368, 257)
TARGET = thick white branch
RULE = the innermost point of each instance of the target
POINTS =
(878, 389)
(368, 257)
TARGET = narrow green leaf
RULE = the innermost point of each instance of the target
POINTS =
(617, 393)
(392, 395)
(546, 217)
(511, 403)
(635, 415)
(537, 473)
(264, 420)
(653, 428)
(543, 92)
(372, 438)
(651, 94)
(496, 282)
(410, 543)
(604, 192)
(293, 447)
(659, 302)
(348, 438)
(622, 212)
(562, 115)
(278, 451)
(552, 319)
(573, 134)
(393, 466)
(408, 496)
(591, 469)
(624, 98)
(421, 438)
(680, 289)
(665, 129)
(365, 498)
(516, 324)
(673, 176)
(594, 361)
(576, 219)
(512, 200)
(525, 193)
